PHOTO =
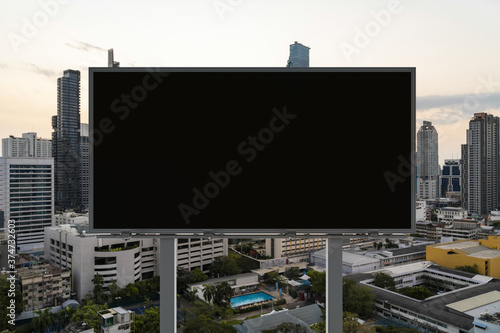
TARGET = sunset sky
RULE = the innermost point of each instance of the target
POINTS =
(454, 45)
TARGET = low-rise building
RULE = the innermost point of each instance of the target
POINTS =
(44, 285)
(483, 253)
(449, 214)
(125, 261)
(459, 229)
(442, 311)
(295, 249)
(304, 317)
(351, 262)
(116, 320)
(237, 282)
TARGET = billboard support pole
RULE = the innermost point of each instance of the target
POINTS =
(168, 285)
(334, 284)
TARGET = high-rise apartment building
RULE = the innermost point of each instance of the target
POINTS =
(26, 196)
(84, 164)
(481, 165)
(66, 142)
(427, 162)
(299, 55)
(29, 145)
(451, 179)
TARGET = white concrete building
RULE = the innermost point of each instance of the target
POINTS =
(420, 211)
(70, 217)
(125, 261)
(351, 262)
(26, 146)
(449, 214)
(27, 197)
(116, 320)
(199, 252)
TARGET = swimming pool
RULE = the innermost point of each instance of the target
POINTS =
(250, 299)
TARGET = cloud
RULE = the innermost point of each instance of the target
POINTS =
(444, 110)
(85, 46)
(43, 71)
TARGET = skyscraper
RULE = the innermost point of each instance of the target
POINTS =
(84, 163)
(451, 179)
(427, 162)
(66, 142)
(26, 196)
(481, 156)
(299, 55)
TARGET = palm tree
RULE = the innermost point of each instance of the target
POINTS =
(43, 321)
(223, 294)
(209, 292)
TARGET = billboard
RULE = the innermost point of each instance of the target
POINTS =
(183, 151)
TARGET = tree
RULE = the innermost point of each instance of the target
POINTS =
(357, 299)
(132, 291)
(350, 324)
(113, 290)
(88, 313)
(224, 265)
(141, 286)
(6, 301)
(287, 328)
(471, 269)
(209, 292)
(184, 277)
(98, 294)
(152, 320)
(318, 282)
(62, 318)
(198, 275)
(273, 277)
(245, 264)
(419, 292)
(223, 295)
(203, 324)
(43, 321)
(384, 280)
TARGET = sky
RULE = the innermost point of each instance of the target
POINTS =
(454, 45)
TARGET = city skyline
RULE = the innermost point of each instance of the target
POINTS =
(455, 49)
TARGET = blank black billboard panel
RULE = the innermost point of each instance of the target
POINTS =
(252, 149)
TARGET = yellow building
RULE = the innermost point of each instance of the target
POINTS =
(484, 253)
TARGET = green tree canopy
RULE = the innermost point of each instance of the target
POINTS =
(88, 314)
(223, 266)
(418, 292)
(198, 275)
(43, 320)
(384, 280)
(357, 299)
(318, 282)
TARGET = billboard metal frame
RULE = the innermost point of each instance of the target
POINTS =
(238, 233)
